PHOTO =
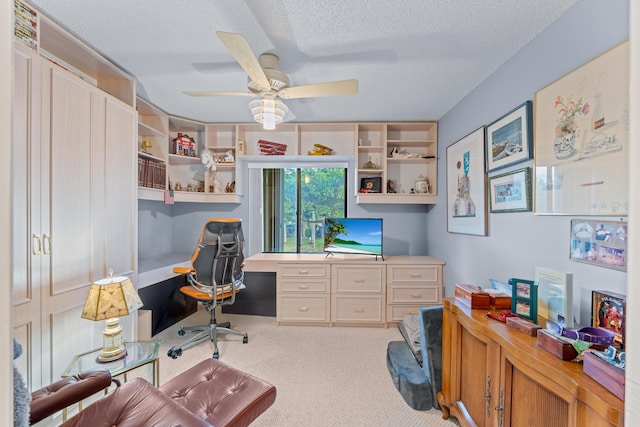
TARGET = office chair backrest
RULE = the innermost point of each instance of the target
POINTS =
(220, 247)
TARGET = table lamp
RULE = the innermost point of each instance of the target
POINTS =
(109, 299)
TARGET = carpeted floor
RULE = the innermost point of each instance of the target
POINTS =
(324, 376)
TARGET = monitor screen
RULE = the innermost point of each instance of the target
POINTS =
(353, 235)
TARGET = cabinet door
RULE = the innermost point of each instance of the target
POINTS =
(26, 245)
(67, 143)
(476, 376)
(528, 398)
(120, 186)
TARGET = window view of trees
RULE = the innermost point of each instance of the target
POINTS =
(296, 202)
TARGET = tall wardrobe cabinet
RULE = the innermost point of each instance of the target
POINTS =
(74, 208)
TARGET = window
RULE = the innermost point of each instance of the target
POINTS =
(295, 203)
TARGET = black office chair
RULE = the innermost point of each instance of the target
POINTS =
(214, 279)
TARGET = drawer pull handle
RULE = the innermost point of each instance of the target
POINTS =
(418, 295)
(303, 286)
(358, 309)
(416, 275)
(37, 245)
(412, 312)
(358, 280)
(303, 271)
(303, 308)
(46, 240)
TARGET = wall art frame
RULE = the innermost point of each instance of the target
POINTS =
(524, 298)
(598, 242)
(510, 192)
(582, 139)
(467, 185)
(510, 138)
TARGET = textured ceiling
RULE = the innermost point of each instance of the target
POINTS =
(414, 59)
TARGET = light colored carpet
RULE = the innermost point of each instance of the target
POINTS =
(324, 376)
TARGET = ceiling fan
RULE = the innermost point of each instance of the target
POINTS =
(269, 84)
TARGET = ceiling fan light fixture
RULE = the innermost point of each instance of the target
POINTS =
(269, 112)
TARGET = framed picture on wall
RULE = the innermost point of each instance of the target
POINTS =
(466, 185)
(511, 191)
(582, 139)
(598, 242)
(509, 139)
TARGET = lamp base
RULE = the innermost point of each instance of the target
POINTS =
(110, 356)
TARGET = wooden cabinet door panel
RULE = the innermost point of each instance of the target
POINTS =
(69, 240)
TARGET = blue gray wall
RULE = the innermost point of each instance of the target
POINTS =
(517, 242)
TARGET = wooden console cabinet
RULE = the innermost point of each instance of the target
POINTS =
(494, 375)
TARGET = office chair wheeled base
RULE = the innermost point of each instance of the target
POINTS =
(203, 333)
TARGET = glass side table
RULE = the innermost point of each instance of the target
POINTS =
(139, 353)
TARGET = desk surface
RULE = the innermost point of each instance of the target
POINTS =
(268, 262)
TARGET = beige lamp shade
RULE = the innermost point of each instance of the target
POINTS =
(111, 297)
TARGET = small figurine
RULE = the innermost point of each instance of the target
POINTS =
(391, 186)
(208, 160)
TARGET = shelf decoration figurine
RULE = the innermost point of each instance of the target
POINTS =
(369, 164)
(184, 145)
(145, 145)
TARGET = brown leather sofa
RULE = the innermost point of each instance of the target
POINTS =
(210, 393)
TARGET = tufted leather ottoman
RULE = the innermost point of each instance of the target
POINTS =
(220, 394)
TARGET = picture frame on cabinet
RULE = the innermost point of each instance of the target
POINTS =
(609, 311)
(371, 185)
(598, 242)
(510, 138)
(467, 185)
(555, 296)
(524, 298)
(582, 139)
(510, 192)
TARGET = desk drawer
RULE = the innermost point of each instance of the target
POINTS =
(307, 308)
(361, 278)
(358, 308)
(415, 294)
(302, 270)
(303, 285)
(414, 274)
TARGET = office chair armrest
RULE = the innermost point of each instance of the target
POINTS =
(183, 270)
(67, 391)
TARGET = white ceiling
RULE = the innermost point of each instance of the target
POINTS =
(414, 59)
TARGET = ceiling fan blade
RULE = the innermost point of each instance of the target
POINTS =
(241, 51)
(221, 94)
(337, 88)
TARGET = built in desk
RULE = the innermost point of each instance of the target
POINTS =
(349, 290)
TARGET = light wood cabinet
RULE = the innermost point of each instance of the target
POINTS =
(493, 375)
(303, 293)
(73, 193)
(358, 294)
(413, 282)
(345, 290)
(399, 154)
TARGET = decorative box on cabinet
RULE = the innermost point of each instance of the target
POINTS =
(358, 294)
(302, 293)
(412, 282)
(494, 375)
